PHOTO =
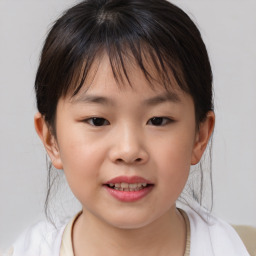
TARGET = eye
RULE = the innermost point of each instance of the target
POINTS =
(97, 121)
(159, 121)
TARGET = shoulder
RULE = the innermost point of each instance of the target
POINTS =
(42, 239)
(211, 235)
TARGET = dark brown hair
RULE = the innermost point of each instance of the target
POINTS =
(155, 30)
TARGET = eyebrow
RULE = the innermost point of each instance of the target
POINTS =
(85, 98)
(162, 98)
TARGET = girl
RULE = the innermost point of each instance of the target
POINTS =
(124, 94)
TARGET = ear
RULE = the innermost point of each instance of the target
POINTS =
(202, 137)
(48, 139)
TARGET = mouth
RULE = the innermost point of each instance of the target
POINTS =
(124, 186)
(129, 189)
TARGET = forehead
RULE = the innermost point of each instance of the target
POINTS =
(105, 77)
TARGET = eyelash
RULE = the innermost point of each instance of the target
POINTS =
(163, 120)
(99, 121)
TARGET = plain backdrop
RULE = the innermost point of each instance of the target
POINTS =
(229, 30)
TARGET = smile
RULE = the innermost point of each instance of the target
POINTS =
(127, 186)
(129, 189)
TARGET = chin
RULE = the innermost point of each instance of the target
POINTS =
(128, 221)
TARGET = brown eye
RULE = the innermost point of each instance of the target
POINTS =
(97, 121)
(159, 121)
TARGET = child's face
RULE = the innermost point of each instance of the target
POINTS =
(138, 135)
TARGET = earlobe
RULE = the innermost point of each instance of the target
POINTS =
(48, 140)
(203, 136)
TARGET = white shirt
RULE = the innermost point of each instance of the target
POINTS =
(210, 236)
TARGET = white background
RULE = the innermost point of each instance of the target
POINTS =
(229, 30)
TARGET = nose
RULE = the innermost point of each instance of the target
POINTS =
(128, 147)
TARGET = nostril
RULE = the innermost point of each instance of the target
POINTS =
(137, 160)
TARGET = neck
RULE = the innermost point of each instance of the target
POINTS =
(164, 236)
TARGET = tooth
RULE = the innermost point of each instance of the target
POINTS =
(134, 185)
(117, 185)
(124, 185)
(126, 189)
(139, 185)
(144, 184)
(111, 184)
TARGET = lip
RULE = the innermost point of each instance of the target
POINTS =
(129, 196)
(129, 179)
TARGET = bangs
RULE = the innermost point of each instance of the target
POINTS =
(124, 58)
(92, 28)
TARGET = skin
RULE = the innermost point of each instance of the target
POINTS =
(127, 143)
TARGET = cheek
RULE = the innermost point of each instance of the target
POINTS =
(174, 167)
(173, 159)
(78, 149)
(81, 161)
(175, 148)
(173, 175)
